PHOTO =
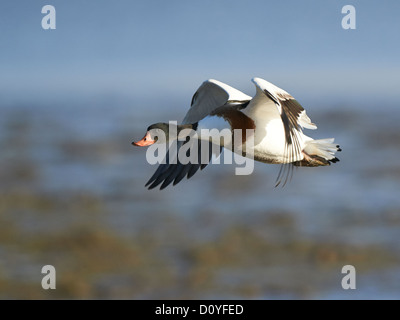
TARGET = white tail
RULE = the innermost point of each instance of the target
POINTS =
(324, 148)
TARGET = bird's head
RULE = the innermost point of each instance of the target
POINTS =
(158, 132)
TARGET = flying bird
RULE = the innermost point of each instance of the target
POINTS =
(273, 117)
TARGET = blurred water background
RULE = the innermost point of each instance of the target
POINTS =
(72, 187)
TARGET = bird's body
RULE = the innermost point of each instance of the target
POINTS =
(267, 127)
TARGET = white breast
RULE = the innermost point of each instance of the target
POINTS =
(270, 139)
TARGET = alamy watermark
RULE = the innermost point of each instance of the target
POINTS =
(189, 146)
(49, 280)
(349, 280)
(49, 20)
(349, 20)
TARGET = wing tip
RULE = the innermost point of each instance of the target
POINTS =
(259, 82)
(270, 87)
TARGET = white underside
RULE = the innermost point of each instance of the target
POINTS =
(269, 138)
(270, 142)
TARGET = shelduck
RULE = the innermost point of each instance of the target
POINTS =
(272, 120)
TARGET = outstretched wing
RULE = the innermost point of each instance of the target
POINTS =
(209, 96)
(293, 117)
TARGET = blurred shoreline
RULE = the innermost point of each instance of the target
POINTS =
(72, 195)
